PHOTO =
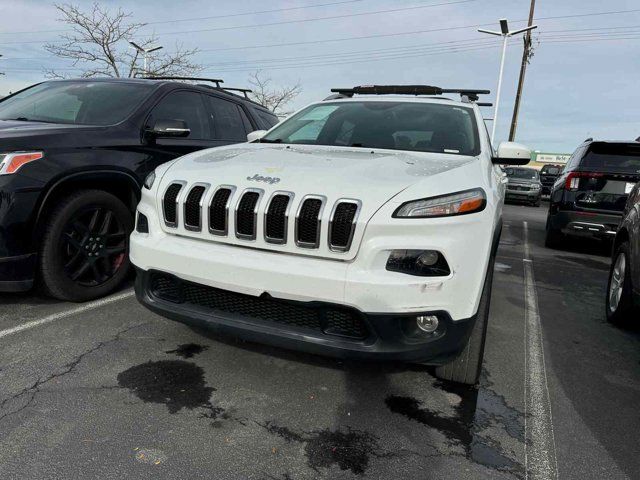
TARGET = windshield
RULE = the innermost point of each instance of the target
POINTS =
(522, 173)
(421, 127)
(551, 170)
(80, 103)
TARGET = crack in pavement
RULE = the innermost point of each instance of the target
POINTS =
(34, 389)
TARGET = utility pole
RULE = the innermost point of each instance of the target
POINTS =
(505, 34)
(523, 70)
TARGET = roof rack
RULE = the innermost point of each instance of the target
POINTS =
(217, 81)
(244, 91)
(467, 95)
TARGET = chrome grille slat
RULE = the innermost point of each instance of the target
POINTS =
(193, 207)
(219, 210)
(170, 204)
(276, 217)
(309, 221)
(247, 213)
(343, 224)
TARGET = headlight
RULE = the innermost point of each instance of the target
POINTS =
(536, 186)
(11, 162)
(459, 203)
(148, 182)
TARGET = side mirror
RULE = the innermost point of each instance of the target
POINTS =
(257, 135)
(511, 153)
(164, 128)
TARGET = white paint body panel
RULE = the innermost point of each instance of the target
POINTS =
(382, 180)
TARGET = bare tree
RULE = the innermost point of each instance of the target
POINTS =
(97, 43)
(275, 99)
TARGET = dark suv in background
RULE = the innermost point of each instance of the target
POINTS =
(73, 157)
(623, 291)
(548, 176)
(589, 197)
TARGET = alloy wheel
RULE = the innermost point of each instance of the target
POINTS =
(617, 282)
(93, 246)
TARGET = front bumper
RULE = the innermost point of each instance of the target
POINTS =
(313, 327)
(16, 273)
(523, 196)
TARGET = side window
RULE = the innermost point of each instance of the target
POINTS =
(185, 106)
(574, 160)
(268, 120)
(248, 128)
(227, 120)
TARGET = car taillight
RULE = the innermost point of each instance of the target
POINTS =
(11, 162)
(573, 179)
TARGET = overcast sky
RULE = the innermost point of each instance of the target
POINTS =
(580, 83)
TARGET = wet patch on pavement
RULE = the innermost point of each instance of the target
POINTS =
(174, 383)
(476, 410)
(349, 449)
(188, 350)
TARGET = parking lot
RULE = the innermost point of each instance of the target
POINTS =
(108, 389)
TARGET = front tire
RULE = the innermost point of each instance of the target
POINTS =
(84, 251)
(619, 305)
(467, 366)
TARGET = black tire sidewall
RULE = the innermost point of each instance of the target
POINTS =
(55, 281)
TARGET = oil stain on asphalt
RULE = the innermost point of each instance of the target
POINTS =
(478, 409)
(174, 383)
(188, 350)
(349, 449)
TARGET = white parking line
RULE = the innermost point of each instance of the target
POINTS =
(539, 447)
(74, 311)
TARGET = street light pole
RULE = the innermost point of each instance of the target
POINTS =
(505, 34)
(144, 52)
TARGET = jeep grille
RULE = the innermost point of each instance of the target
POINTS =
(215, 205)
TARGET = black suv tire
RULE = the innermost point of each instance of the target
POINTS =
(624, 311)
(86, 237)
(554, 238)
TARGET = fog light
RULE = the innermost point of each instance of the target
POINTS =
(427, 323)
(428, 258)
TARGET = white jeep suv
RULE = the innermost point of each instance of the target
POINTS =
(363, 226)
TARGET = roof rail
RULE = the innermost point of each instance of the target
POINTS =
(468, 95)
(195, 79)
(244, 91)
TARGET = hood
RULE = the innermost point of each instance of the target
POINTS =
(334, 172)
(18, 135)
(372, 177)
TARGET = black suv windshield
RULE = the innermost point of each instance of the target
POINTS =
(522, 173)
(415, 126)
(80, 103)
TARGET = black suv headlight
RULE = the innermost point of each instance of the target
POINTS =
(11, 162)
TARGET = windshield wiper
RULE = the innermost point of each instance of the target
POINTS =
(25, 119)
(275, 140)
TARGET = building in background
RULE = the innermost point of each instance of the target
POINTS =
(539, 159)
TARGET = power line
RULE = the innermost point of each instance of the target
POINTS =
(283, 22)
(229, 15)
(383, 35)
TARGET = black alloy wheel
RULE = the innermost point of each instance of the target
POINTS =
(93, 246)
(84, 252)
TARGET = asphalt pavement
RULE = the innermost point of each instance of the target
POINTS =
(110, 390)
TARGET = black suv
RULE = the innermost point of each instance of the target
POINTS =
(623, 291)
(589, 197)
(548, 176)
(73, 157)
